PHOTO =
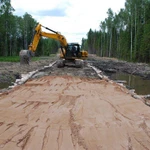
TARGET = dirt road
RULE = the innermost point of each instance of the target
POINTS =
(64, 112)
(72, 109)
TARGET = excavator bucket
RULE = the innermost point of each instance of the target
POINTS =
(25, 57)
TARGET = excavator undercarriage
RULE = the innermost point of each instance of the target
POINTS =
(72, 63)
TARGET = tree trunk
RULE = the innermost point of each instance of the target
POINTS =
(110, 43)
(101, 45)
(131, 40)
(135, 24)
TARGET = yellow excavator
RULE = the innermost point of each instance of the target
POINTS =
(70, 52)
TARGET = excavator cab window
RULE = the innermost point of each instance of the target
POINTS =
(73, 50)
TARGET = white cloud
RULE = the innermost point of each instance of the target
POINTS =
(77, 16)
(34, 5)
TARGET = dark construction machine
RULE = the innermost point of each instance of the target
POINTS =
(70, 53)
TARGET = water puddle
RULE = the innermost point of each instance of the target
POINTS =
(141, 86)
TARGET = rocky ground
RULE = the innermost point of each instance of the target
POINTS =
(10, 71)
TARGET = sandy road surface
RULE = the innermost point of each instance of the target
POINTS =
(72, 113)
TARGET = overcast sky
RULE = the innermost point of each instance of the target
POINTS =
(73, 18)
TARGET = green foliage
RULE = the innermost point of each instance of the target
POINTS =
(14, 59)
(145, 48)
(16, 33)
(9, 59)
(125, 35)
(47, 47)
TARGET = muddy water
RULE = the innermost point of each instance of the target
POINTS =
(141, 86)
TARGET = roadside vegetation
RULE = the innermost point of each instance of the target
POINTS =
(9, 59)
(14, 59)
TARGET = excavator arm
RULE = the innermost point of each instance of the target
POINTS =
(25, 55)
(39, 33)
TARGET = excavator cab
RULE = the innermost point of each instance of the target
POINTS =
(72, 56)
(73, 50)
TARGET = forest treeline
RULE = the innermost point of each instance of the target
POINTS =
(125, 35)
(16, 33)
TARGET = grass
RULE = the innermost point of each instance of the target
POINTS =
(9, 59)
(14, 59)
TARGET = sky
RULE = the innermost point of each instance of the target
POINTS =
(72, 18)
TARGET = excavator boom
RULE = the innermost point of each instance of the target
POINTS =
(39, 33)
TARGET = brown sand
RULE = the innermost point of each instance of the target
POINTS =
(70, 113)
